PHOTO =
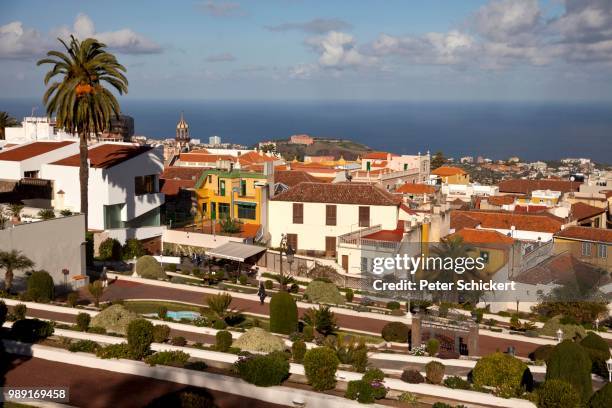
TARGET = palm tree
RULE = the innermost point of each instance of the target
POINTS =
(6, 120)
(451, 248)
(12, 261)
(80, 101)
(15, 211)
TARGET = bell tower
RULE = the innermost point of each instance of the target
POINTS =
(182, 133)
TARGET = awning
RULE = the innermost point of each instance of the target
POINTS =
(235, 251)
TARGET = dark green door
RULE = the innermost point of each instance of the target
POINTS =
(213, 211)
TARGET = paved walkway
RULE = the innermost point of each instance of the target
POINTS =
(93, 388)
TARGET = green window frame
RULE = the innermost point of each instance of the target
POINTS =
(247, 211)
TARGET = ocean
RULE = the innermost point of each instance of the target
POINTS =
(529, 130)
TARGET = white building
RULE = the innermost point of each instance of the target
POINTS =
(379, 160)
(25, 160)
(35, 128)
(465, 192)
(123, 187)
(214, 140)
(314, 215)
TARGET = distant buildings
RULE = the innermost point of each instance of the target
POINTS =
(451, 175)
(182, 134)
(301, 139)
(34, 129)
(466, 159)
(214, 141)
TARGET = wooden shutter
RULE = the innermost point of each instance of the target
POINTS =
(298, 213)
(330, 246)
(345, 262)
(330, 215)
(292, 239)
(364, 216)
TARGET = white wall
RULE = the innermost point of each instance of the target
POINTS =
(14, 170)
(312, 233)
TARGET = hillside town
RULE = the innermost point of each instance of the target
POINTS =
(201, 240)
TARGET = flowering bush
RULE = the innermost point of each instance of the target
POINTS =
(257, 339)
(418, 351)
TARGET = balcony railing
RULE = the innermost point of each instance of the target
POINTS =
(356, 238)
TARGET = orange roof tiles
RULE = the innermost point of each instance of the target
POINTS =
(395, 235)
(501, 200)
(205, 157)
(505, 220)
(30, 150)
(527, 186)
(563, 268)
(482, 236)
(446, 171)
(291, 178)
(378, 155)
(253, 158)
(342, 193)
(413, 188)
(586, 234)
(106, 155)
(582, 211)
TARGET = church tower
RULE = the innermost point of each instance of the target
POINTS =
(182, 134)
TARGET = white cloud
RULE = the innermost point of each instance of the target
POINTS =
(338, 50)
(507, 20)
(223, 57)
(17, 42)
(303, 71)
(315, 26)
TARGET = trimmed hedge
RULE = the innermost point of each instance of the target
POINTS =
(598, 350)
(396, 331)
(501, 371)
(570, 362)
(82, 321)
(298, 350)
(557, 394)
(110, 250)
(324, 292)
(148, 267)
(283, 313)
(86, 346)
(541, 353)
(140, 337)
(31, 330)
(161, 333)
(434, 372)
(360, 390)
(168, 358)
(320, 365)
(263, 370)
(602, 398)
(433, 345)
(40, 286)
(223, 340)
(456, 383)
(569, 330)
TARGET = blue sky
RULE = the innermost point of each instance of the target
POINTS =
(297, 49)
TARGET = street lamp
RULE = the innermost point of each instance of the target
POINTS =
(290, 252)
(609, 364)
(559, 335)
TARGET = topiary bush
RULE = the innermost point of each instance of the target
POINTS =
(557, 394)
(223, 340)
(19, 311)
(393, 305)
(283, 313)
(178, 341)
(412, 377)
(263, 370)
(396, 331)
(298, 350)
(541, 353)
(121, 350)
(148, 267)
(434, 372)
(320, 365)
(375, 377)
(433, 345)
(599, 351)
(140, 337)
(40, 286)
(324, 292)
(82, 321)
(85, 346)
(602, 398)
(456, 383)
(570, 331)
(269, 284)
(501, 371)
(110, 250)
(257, 339)
(161, 333)
(115, 318)
(31, 330)
(168, 358)
(349, 295)
(571, 363)
(308, 333)
(360, 390)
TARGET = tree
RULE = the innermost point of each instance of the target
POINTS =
(15, 211)
(219, 304)
(6, 120)
(283, 313)
(80, 101)
(452, 248)
(96, 290)
(437, 160)
(322, 319)
(570, 362)
(10, 262)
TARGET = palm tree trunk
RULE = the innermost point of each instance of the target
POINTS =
(84, 175)
(8, 279)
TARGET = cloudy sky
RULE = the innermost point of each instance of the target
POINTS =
(333, 49)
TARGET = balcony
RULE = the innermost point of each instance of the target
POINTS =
(357, 239)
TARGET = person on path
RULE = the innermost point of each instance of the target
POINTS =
(261, 292)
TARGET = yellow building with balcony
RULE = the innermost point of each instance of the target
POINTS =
(231, 194)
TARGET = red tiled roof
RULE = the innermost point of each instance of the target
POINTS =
(378, 155)
(582, 211)
(291, 178)
(30, 150)
(342, 193)
(501, 200)
(459, 221)
(395, 235)
(586, 234)
(527, 186)
(172, 187)
(182, 173)
(481, 236)
(410, 188)
(560, 269)
(445, 171)
(106, 155)
(253, 158)
(505, 220)
(205, 157)
(530, 208)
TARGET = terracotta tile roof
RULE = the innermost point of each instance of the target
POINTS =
(582, 211)
(505, 220)
(341, 193)
(182, 173)
(501, 200)
(560, 269)
(445, 171)
(378, 155)
(27, 151)
(395, 235)
(530, 208)
(172, 187)
(205, 157)
(586, 234)
(106, 155)
(291, 178)
(460, 220)
(253, 158)
(410, 188)
(527, 186)
(407, 209)
(481, 236)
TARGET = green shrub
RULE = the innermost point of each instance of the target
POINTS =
(162, 312)
(433, 345)
(223, 340)
(31, 330)
(161, 332)
(434, 372)
(140, 337)
(298, 350)
(308, 333)
(110, 250)
(85, 346)
(373, 374)
(96, 330)
(361, 391)
(133, 248)
(443, 309)
(408, 399)
(349, 295)
(219, 324)
(501, 371)
(19, 311)
(115, 318)
(396, 331)
(557, 394)
(359, 359)
(602, 398)
(269, 284)
(257, 339)
(570, 362)
(72, 299)
(323, 292)
(599, 351)
(82, 321)
(541, 353)
(393, 305)
(283, 313)
(40, 286)
(243, 279)
(167, 358)
(178, 341)
(3, 312)
(263, 370)
(412, 377)
(570, 331)
(148, 267)
(457, 383)
(294, 288)
(121, 350)
(441, 405)
(320, 365)
(322, 319)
